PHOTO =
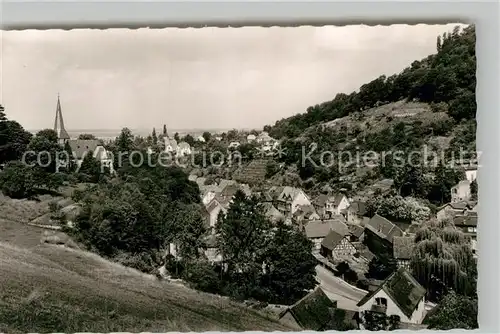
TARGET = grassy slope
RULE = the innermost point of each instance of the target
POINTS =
(49, 288)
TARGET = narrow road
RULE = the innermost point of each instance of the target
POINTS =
(337, 289)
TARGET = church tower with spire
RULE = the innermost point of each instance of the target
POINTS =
(62, 134)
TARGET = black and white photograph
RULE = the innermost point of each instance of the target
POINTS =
(238, 179)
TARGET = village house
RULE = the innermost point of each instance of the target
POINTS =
(336, 246)
(271, 213)
(214, 208)
(183, 149)
(450, 210)
(355, 212)
(402, 250)
(328, 205)
(263, 137)
(201, 139)
(212, 252)
(208, 192)
(317, 230)
(468, 225)
(80, 148)
(170, 144)
(287, 199)
(305, 212)
(356, 233)
(461, 191)
(251, 138)
(400, 295)
(225, 182)
(314, 312)
(234, 145)
(179, 149)
(471, 173)
(379, 234)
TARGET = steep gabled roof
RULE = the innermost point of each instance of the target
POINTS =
(403, 290)
(320, 229)
(383, 228)
(403, 247)
(271, 212)
(314, 311)
(59, 122)
(356, 230)
(288, 194)
(332, 240)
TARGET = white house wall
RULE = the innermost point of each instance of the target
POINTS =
(299, 200)
(344, 204)
(393, 309)
(471, 175)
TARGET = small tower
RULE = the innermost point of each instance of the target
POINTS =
(62, 134)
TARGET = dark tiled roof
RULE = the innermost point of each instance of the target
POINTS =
(383, 228)
(403, 290)
(403, 247)
(359, 207)
(303, 210)
(332, 240)
(211, 206)
(321, 228)
(367, 254)
(356, 230)
(468, 220)
(314, 311)
(321, 200)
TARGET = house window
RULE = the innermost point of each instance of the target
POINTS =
(381, 301)
(472, 229)
(455, 191)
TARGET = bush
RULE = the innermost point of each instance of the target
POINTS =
(17, 180)
(203, 277)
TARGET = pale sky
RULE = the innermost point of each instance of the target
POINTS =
(195, 78)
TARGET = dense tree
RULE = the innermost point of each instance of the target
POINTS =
(444, 179)
(13, 139)
(189, 139)
(177, 137)
(398, 208)
(289, 265)
(443, 260)
(48, 134)
(86, 136)
(447, 76)
(154, 138)
(165, 134)
(241, 239)
(454, 312)
(125, 141)
(207, 136)
(473, 189)
(381, 267)
(375, 321)
(16, 180)
(91, 168)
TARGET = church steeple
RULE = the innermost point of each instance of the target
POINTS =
(62, 134)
